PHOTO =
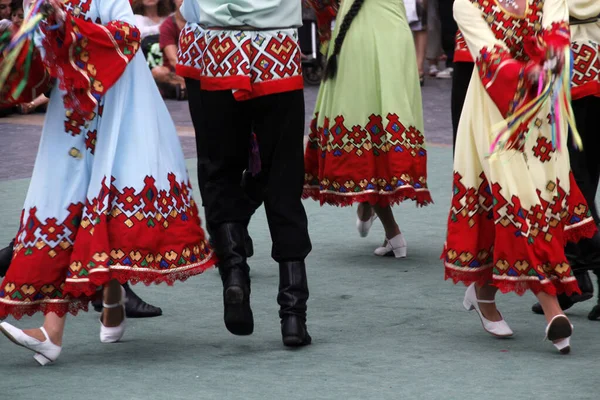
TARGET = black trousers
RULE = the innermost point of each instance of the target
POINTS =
(223, 128)
(460, 84)
(585, 164)
(449, 29)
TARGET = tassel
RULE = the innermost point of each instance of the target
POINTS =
(512, 128)
(254, 165)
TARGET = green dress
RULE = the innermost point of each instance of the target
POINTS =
(366, 140)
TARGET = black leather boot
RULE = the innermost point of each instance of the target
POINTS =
(135, 306)
(230, 247)
(292, 297)
(566, 302)
(6, 255)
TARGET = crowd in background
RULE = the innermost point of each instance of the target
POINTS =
(434, 30)
(160, 23)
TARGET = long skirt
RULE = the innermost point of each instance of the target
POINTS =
(366, 140)
(109, 199)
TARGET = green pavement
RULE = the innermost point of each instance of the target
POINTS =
(382, 329)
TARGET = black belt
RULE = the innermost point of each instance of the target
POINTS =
(575, 21)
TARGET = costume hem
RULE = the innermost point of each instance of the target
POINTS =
(123, 273)
(585, 229)
(506, 284)
(59, 307)
(383, 199)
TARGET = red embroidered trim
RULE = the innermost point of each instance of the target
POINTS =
(421, 197)
(149, 236)
(552, 287)
(493, 238)
(335, 150)
(88, 59)
(504, 78)
(17, 311)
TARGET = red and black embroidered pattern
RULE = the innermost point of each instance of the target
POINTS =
(149, 236)
(250, 63)
(586, 69)
(492, 237)
(334, 148)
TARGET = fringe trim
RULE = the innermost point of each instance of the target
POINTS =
(80, 294)
(89, 287)
(585, 231)
(422, 197)
(68, 306)
(551, 286)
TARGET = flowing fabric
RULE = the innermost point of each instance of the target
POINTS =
(110, 196)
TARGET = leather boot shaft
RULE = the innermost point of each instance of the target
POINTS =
(292, 298)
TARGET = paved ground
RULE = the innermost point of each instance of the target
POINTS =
(382, 328)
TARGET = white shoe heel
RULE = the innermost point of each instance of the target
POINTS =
(114, 334)
(559, 332)
(46, 351)
(496, 328)
(395, 246)
(363, 227)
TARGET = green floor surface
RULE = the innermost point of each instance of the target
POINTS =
(382, 329)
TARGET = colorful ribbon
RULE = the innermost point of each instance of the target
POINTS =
(18, 51)
(556, 92)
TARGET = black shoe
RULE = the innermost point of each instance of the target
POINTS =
(6, 255)
(585, 285)
(230, 247)
(138, 308)
(292, 297)
(135, 306)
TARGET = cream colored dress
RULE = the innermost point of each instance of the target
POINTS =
(513, 212)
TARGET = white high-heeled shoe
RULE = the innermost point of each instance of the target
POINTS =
(114, 334)
(395, 246)
(45, 352)
(363, 227)
(559, 332)
(496, 328)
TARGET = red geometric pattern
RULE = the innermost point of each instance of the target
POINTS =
(148, 236)
(334, 149)
(503, 78)
(509, 28)
(495, 238)
(88, 59)
(461, 51)
(586, 69)
(543, 149)
(250, 63)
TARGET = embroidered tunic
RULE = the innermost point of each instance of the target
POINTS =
(248, 47)
(512, 213)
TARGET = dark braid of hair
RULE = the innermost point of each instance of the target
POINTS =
(331, 67)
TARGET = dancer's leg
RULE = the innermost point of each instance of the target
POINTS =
(112, 293)
(386, 216)
(54, 325)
